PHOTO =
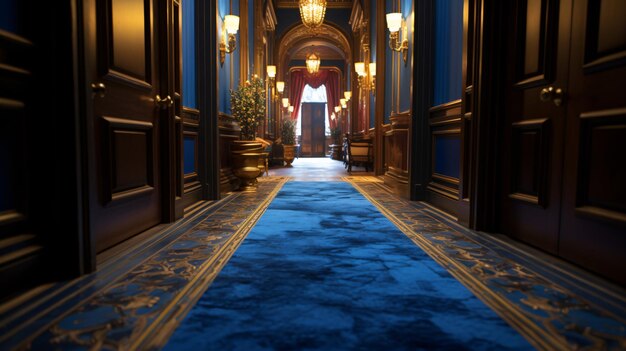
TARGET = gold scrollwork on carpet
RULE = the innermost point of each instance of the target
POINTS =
(140, 308)
(550, 316)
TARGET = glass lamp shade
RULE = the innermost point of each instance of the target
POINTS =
(312, 12)
(333, 116)
(394, 21)
(280, 86)
(337, 109)
(285, 102)
(347, 95)
(343, 103)
(373, 69)
(312, 63)
(359, 68)
(290, 109)
(231, 23)
(271, 71)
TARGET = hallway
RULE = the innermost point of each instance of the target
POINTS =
(317, 169)
(491, 213)
(137, 301)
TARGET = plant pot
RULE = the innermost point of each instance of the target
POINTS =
(289, 154)
(245, 156)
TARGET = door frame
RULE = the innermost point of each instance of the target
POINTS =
(483, 41)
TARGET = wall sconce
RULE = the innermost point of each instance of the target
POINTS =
(280, 86)
(347, 95)
(290, 109)
(228, 44)
(343, 103)
(271, 72)
(285, 102)
(337, 109)
(395, 22)
(366, 76)
(359, 68)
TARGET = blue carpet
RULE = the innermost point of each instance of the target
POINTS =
(323, 269)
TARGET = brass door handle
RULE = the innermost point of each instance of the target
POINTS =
(553, 94)
(98, 89)
(164, 103)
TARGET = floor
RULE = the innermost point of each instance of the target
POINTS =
(139, 296)
(317, 168)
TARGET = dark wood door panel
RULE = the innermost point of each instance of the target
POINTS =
(534, 129)
(530, 151)
(605, 35)
(125, 39)
(537, 28)
(126, 132)
(593, 232)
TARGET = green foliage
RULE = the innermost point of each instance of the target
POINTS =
(248, 106)
(288, 132)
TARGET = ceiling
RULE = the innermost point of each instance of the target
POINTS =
(331, 3)
(324, 50)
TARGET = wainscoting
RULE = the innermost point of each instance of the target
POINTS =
(229, 131)
(397, 154)
(446, 134)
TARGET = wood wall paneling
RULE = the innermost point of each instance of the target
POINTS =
(397, 163)
(593, 213)
(229, 131)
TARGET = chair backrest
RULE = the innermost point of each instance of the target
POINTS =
(359, 148)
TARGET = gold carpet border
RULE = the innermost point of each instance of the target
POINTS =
(205, 276)
(538, 337)
(84, 283)
(163, 331)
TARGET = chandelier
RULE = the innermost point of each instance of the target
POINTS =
(312, 63)
(312, 12)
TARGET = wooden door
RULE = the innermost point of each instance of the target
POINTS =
(564, 164)
(122, 66)
(313, 129)
(21, 250)
(533, 132)
(593, 229)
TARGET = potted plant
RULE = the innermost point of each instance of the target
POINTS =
(288, 138)
(248, 107)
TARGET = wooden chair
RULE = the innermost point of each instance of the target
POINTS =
(360, 153)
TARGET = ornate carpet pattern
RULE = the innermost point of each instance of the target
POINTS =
(555, 306)
(134, 300)
(323, 269)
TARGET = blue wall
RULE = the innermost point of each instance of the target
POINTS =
(399, 82)
(232, 60)
(189, 158)
(388, 68)
(448, 155)
(189, 55)
(405, 69)
(448, 51)
(9, 14)
(448, 76)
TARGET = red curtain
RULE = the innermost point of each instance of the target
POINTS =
(296, 87)
(300, 78)
(332, 94)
